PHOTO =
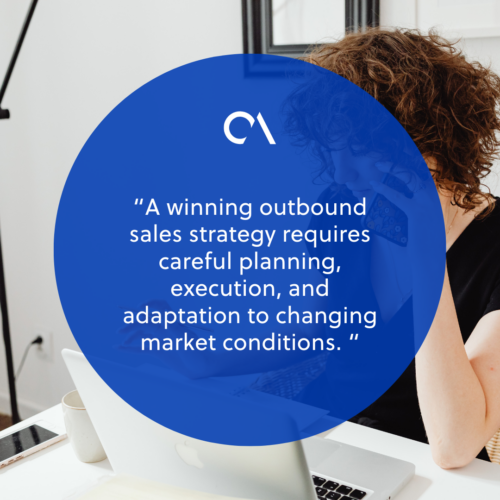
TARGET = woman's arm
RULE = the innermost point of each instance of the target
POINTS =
(459, 386)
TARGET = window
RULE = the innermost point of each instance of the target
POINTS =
(290, 27)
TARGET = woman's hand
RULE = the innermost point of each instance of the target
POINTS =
(418, 265)
(419, 208)
(451, 213)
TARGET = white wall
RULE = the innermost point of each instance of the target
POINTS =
(487, 52)
(79, 60)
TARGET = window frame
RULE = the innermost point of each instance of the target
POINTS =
(258, 27)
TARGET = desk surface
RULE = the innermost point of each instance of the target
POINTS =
(55, 473)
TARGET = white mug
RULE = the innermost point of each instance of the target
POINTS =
(81, 432)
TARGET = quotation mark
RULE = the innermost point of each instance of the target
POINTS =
(354, 336)
(138, 202)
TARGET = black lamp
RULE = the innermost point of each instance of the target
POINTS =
(4, 114)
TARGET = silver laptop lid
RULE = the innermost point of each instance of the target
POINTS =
(138, 446)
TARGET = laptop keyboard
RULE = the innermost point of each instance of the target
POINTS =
(331, 490)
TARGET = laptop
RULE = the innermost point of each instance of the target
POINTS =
(302, 470)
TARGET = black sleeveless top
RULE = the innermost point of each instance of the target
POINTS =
(473, 264)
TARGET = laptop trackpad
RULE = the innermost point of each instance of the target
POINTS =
(319, 450)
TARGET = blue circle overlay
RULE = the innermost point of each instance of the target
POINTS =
(249, 250)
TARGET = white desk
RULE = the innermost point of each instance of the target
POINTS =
(55, 473)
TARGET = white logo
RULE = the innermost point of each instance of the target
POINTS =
(189, 455)
(251, 120)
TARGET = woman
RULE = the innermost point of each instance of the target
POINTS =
(449, 396)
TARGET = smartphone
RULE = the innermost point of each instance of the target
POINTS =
(386, 219)
(25, 442)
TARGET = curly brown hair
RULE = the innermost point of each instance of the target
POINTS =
(448, 105)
